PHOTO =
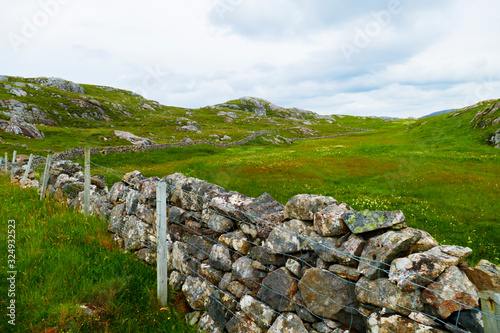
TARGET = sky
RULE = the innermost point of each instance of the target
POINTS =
(395, 58)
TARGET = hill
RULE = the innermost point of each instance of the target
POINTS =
(437, 113)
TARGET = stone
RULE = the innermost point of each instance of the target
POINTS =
(328, 222)
(244, 272)
(345, 272)
(301, 310)
(134, 139)
(220, 258)
(304, 206)
(265, 213)
(147, 255)
(294, 267)
(61, 84)
(132, 201)
(364, 221)
(199, 247)
(181, 258)
(147, 187)
(116, 217)
(136, 234)
(230, 204)
(278, 289)
(266, 257)
(216, 311)
(380, 251)
(18, 92)
(420, 269)
(288, 323)
(226, 138)
(397, 324)
(116, 193)
(210, 274)
(348, 253)
(292, 237)
(470, 320)
(133, 179)
(237, 241)
(207, 324)
(486, 276)
(425, 243)
(193, 318)
(241, 323)
(145, 214)
(384, 294)
(325, 294)
(197, 292)
(3, 78)
(227, 278)
(216, 222)
(263, 315)
(19, 127)
(176, 280)
(238, 289)
(451, 292)
(325, 247)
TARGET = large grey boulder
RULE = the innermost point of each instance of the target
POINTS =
(384, 294)
(325, 294)
(365, 221)
(380, 251)
(451, 292)
(277, 290)
(420, 269)
(304, 206)
(61, 84)
(19, 127)
(134, 139)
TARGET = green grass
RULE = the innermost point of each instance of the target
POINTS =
(445, 182)
(64, 261)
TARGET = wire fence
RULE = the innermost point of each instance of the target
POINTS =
(191, 253)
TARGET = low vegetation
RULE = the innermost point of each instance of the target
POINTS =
(65, 261)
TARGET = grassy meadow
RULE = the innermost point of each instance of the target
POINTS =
(446, 182)
(64, 261)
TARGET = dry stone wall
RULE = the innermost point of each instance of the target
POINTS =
(312, 265)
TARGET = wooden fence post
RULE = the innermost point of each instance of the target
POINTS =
(490, 304)
(45, 177)
(13, 168)
(26, 173)
(161, 243)
(86, 191)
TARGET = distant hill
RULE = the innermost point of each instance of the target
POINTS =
(437, 113)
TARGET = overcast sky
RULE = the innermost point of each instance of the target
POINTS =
(396, 58)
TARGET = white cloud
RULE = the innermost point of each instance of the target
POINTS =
(423, 57)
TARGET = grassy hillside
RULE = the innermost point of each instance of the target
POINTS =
(65, 261)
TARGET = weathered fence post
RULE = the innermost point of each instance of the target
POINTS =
(45, 177)
(13, 168)
(26, 173)
(6, 163)
(161, 243)
(490, 304)
(86, 192)
(1, 161)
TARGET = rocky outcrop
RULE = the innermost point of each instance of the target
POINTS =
(134, 139)
(19, 127)
(61, 84)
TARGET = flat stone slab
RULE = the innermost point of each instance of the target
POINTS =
(364, 221)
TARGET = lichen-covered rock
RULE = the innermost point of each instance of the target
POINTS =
(304, 206)
(364, 221)
(217, 222)
(199, 247)
(451, 292)
(486, 276)
(265, 213)
(230, 204)
(207, 324)
(290, 238)
(220, 258)
(329, 222)
(133, 179)
(325, 294)
(294, 267)
(176, 280)
(241, 323)
(278, 289)
(134, 198)
(266, 257)
(263, 315)
(116, 193)
(61, 84)
(197, 292)
(237, 241)
(136, 234)
(244, 271)
(217, 313)
(384, 294)
(420, 269)
(288, 323)
(181, 258)
(380, 251)
(210, 274)
(425, 243)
